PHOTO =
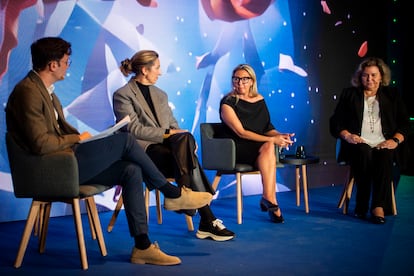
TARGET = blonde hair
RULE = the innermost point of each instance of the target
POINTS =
(141, 59)
(253, 92)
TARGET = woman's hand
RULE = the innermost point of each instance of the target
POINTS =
(387, 144)
(177, 130)
(174, 131)
(353, 138)
(283, 139)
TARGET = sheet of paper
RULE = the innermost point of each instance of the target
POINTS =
(108, 131)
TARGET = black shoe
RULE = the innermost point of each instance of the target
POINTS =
(274, 217)
(265, 204)
(214, 230)
(188, 212)
(377, 219)
(271, 208)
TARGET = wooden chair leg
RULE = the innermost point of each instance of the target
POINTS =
(297, 184)
(147, 202)
(343, 196)
(216, 181)
(345, 189)
(79, 232)
(95, 223)
(348, 194)
(115, 213)
(239, 197)
(158, 206)
(305, 188)
(44, 226)
(39, 221)
(39, 214)
(90, 219)
(394, 204)
(31, 218)
(190, 225)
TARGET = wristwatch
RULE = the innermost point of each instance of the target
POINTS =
(395, 139)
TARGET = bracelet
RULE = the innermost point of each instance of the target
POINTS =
(396, 140)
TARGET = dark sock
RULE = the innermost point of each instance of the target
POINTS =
(142, 241)
(206, 215)
(169, 190)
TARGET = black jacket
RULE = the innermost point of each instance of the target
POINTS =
(349, 111)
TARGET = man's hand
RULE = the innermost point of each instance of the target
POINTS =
(84, 135)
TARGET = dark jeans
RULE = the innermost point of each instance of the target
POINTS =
(119, 160)
(373, 171)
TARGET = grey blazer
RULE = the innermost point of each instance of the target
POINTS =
(144, 126)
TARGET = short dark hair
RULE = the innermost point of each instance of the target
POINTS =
(48, 49)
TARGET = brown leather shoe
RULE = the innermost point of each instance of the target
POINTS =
(188, 200)
(153, 255)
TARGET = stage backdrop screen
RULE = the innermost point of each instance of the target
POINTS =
(290, 44)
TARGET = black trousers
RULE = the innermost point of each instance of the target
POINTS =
(373, 172)
(176, 157)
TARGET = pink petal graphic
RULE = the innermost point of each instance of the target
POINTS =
(234, 10)
(148, 3)
(363, 49)
(325, 7)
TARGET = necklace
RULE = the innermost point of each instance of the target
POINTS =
(371, 113)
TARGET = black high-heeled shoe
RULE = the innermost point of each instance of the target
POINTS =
(271, 208)
(377, 220)
(265, 204)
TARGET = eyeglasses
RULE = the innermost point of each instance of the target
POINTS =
(68, 62)
(244, 80)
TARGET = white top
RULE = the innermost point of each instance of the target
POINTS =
(371, 130)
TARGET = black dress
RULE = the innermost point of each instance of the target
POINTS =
(254, 117)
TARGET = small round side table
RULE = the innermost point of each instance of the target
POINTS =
(300, 162)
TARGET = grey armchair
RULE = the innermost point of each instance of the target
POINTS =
(219, 154)
(47, 179)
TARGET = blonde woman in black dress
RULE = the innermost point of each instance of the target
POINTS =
(247, 117)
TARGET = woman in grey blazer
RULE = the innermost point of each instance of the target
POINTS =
(172, 149)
